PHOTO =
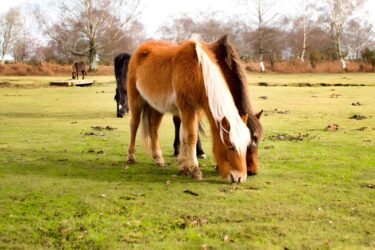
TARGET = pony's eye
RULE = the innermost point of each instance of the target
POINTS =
(231, 148)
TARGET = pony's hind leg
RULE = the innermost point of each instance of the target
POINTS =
(155, 120)
(176, 142)
(188, 162)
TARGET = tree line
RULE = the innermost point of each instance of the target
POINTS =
(97, 30)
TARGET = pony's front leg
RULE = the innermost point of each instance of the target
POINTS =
(135, 119)
(155, 120)
(188, 157)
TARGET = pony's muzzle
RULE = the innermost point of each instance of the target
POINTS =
(237, 177)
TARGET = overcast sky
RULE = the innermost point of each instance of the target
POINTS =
(157, 12)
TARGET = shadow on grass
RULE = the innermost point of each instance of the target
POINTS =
(104, 168)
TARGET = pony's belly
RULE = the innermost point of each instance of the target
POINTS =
(164, 102)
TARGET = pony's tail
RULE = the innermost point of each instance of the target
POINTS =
(146, 131)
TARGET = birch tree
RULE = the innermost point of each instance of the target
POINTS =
(9, 25)
(262, 17)
(340, 11)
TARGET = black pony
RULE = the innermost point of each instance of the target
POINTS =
(121, 69)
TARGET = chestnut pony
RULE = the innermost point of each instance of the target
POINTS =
(185, 79)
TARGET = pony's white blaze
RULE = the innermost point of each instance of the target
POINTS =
(221, 101)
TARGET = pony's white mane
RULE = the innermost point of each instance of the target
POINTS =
(221, 102)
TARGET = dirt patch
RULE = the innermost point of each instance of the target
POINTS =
(356, 104)
(90, 134)
(367, 185)
(307, 84)
(189, 220)
(362, 128)
(335, 95)
(358, 117)
(276, 111)
(332, 127)
(188, 191)
(100, 128)
(21, 86)
(5, 84)
(287, 137)
(263, 97)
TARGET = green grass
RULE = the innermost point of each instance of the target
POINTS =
(311, 194)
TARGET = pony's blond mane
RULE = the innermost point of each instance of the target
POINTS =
(221, 102)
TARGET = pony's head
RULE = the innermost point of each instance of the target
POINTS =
(235, 76)
(255, 129)
(231, 160)
(121, 102)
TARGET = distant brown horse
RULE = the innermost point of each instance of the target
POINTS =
(185, 79)
(78, 67)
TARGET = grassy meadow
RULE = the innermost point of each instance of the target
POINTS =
(65, 184)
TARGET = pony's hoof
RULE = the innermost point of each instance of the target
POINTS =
(184, 172)
(161, 164)
(196, 174)
(202, 156)
(131, 161)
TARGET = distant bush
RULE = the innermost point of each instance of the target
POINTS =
(369, 56)
(296, 66)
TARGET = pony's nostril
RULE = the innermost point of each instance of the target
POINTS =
(239, 179)
(231, 178)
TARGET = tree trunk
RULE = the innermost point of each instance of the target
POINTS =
(261, 63)
(92, 59)
(302, 58)
(339, 53)
(343, 63)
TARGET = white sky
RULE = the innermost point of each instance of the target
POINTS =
(157, 12)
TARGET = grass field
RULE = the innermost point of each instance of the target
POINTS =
(62, 188)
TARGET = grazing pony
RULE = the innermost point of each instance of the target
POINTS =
(78, 67)
(185, 79)
(121, 97)
(235, 75)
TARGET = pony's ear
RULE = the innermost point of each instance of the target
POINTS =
(225, 124)
(259, 114)
(223, 40)
(245, 118)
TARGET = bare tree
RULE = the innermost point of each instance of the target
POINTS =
(358, 37)
(25, 41)
(263, 16)
(90, 22)
(180, 29)
(9, 25)
(340, 11)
